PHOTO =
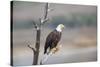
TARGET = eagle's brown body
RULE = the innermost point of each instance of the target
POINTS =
(52, 40)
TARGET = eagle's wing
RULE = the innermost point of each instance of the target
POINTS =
(52, 40)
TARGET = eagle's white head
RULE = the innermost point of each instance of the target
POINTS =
(60, 27)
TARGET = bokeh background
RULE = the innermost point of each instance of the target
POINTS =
(79, 38)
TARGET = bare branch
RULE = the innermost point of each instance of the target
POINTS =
(45, 19)
(31, 48)
(46, 10)
(35, 25)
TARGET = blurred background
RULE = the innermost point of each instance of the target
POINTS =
(79, 38)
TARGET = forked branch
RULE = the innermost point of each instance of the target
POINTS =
(32, 48)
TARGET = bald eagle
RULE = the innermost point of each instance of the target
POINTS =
(53, 38)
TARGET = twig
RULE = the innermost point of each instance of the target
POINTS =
(35, 25)
(29, 45)
(43, 21)
(46, 10)
(31, 48)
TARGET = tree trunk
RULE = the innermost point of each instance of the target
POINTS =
(37, 46)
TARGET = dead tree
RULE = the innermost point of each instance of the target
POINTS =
(38, 34)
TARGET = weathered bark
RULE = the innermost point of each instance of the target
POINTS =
(37, 46)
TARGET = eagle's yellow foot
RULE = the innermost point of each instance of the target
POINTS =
(54, 50)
